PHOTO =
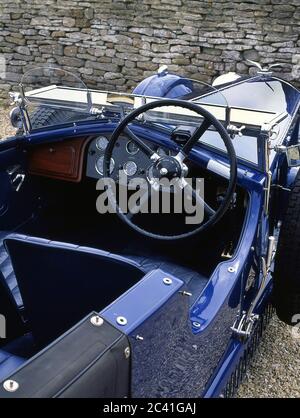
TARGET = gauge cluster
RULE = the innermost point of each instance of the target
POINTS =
(126, 157)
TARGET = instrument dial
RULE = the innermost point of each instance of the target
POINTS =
(132, 148)
(101, 143)
(130, 168)
(99, 165)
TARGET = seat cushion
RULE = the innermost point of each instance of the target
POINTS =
(15, 353)
(9, 363)
(8, 272)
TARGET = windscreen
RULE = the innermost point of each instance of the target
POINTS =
(54, 97)
(248, 104)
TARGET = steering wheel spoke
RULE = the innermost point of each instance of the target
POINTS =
(142, 145)
(186, 149)
(199, 200)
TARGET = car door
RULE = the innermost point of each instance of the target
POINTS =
(16, 192)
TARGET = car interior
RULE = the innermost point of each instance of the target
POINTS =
(60, 259)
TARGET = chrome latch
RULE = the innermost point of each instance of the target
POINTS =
(16, 176)
(242, 328)
(234, 130)
(18, 181)
(97, 111)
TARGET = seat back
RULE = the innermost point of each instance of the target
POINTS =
(60, 283)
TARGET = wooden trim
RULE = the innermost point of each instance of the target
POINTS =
(59, 160)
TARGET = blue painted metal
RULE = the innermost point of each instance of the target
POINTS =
(231, 357)
(135, 307)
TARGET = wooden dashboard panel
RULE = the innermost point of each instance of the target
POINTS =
(59, 160)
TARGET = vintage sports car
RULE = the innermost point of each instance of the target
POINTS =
(134, 304)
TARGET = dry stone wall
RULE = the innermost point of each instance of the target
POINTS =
(113, 44)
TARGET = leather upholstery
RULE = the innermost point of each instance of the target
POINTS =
(61, 283)
(9, 363)
(75, 280)
(14, 354)
(73, 366)
(14, 323)
(7, 271)
(78, 279)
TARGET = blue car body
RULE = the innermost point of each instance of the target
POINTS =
(181, 349)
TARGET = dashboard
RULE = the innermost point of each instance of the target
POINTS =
(126, 157)
(65, 160)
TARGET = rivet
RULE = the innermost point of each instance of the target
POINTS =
(167, 281)
(11, 385)
(127, 352)
(231, 269)
(184, 293)
(139, 338)
(121, 320)
(196, 324)
(97, 320)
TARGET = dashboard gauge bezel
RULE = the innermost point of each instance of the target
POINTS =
(130, 152)
(96, 143)
(112, 162)
(125, 170)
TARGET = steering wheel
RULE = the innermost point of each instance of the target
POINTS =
(174, 167)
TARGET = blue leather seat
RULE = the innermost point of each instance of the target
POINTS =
(9, 363)
(15, 353)
(60, 283)
(7, 271)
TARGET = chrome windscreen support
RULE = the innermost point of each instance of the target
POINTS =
(234, 130)
(266, 71)
(18, 99)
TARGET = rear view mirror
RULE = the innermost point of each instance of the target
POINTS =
(293, 155)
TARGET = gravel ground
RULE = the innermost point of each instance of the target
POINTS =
(5, 127)
(275, 371)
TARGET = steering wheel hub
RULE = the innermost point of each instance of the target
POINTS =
(166, 167)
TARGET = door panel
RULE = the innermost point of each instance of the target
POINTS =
(16, 191)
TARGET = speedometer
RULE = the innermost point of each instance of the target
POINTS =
(101, 143)
(130, 168)
(99, 165)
